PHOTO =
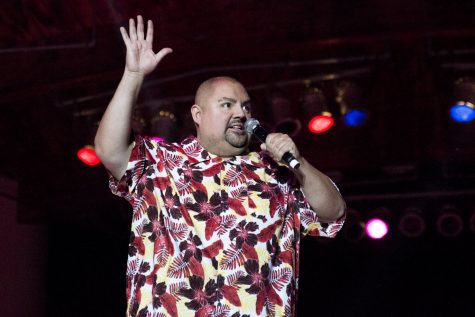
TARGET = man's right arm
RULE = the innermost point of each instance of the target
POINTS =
(112, 137)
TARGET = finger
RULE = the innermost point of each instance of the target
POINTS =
(162, 53)
(132, 30)
(149, 37)
(125, 36)
(269, 138)
(140, 31)
(286, 146)
(263, 147)
(283, 144)
(272, 139)
(278, 144)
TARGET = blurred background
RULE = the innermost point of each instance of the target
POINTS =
(377, 94)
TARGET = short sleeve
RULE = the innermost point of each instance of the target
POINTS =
(142, 158)
(311, 224)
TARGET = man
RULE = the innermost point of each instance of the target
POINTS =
(216, 229)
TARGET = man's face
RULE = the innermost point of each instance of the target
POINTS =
(223, 111)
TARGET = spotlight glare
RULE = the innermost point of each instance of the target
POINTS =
(376, 228)
(355, 118)
(462, 112)
(88, 156)
(321, 123)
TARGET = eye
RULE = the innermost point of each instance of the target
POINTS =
(247, 108)
(226, 105)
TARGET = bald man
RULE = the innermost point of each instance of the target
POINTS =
(216, 229)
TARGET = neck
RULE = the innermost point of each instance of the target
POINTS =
(221, 149)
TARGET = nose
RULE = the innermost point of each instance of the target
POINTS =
(239, 112)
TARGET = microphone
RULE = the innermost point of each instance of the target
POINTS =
(253, 126)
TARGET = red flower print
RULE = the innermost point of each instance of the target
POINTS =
(270, 192)
(190, 248)
(172, 203)
(200, 297)
(172, 160)
(234, 203)
(243, 233)
(162, 298)
(205, 209)
(257, 282)
(229, 290)
(234, 177)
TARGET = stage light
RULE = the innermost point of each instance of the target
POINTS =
(376, 228)
(355, 118)
(321, 123)
(348, 97)
(449, 222)
(412, 224)
(463, 110)
(314, 104)
(282, 113)
(88, 156)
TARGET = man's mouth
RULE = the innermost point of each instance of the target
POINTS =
(237, 127)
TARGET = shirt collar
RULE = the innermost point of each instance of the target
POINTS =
(198, 154)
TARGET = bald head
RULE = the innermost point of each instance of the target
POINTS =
(207, 87)
(221, 107)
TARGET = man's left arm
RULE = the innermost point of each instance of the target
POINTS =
(321, 193)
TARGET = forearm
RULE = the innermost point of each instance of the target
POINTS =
(320, 192)
(112, 137)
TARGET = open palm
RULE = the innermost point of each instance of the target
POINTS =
(140, 57)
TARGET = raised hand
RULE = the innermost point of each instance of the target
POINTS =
(140, 58)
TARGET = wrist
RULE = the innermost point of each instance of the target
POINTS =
(133, 75)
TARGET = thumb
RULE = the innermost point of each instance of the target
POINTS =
(263, 147)
(162, 53)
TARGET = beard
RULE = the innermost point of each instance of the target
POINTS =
(237, 140)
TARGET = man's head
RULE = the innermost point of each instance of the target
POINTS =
(221, 107)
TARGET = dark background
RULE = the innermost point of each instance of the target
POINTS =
(60, 62)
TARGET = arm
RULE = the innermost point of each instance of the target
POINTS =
(112, 137)
(321, 194)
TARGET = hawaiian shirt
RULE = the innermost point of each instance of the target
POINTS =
(213, 236)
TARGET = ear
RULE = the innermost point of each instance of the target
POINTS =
(196, 113)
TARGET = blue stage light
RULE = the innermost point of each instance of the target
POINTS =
(463, 112)
(355, 118)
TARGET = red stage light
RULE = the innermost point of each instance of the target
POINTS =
(88, 156)
(321, 123)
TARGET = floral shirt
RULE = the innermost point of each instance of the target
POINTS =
(212, 236)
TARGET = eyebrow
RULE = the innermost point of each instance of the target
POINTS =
(245, 103)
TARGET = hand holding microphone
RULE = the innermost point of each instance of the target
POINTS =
(253, 126)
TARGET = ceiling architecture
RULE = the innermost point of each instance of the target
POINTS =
(61, 61)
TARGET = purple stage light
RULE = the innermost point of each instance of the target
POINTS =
(376, 228)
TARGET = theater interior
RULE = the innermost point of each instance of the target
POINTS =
(407, 157)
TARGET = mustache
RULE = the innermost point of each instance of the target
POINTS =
(237, 121)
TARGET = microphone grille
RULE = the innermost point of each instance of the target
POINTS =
(250, 125)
